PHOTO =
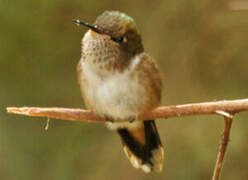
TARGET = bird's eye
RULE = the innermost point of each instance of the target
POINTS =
(119, 39)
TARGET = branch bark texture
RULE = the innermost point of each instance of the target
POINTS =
(231, 106)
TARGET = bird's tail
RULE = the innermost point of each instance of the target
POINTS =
(143, 147)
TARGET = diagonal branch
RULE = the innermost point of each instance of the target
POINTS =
(232, 107)
(223, 145)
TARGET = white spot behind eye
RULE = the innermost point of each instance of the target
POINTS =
(124, 39)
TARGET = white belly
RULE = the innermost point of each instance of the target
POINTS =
(117, 95)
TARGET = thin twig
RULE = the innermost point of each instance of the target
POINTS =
(231, 107)
(223, 145)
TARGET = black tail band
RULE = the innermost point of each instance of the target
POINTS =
(142, 151)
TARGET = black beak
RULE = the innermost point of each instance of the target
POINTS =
(92, 27)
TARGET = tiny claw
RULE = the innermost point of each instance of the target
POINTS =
(47, 124)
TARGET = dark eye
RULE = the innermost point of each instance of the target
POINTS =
(118, 40)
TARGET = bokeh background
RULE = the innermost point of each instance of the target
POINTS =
(200, 47)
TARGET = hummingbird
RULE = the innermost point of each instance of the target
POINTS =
(119, 82)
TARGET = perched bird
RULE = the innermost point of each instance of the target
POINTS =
(120, 81)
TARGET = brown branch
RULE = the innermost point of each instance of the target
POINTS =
(57, 113)
(223, 108)
(231, 107)
(223, 145)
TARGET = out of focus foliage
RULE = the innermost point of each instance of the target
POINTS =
(201, 48)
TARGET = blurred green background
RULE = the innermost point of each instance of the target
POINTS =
(201, 48)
